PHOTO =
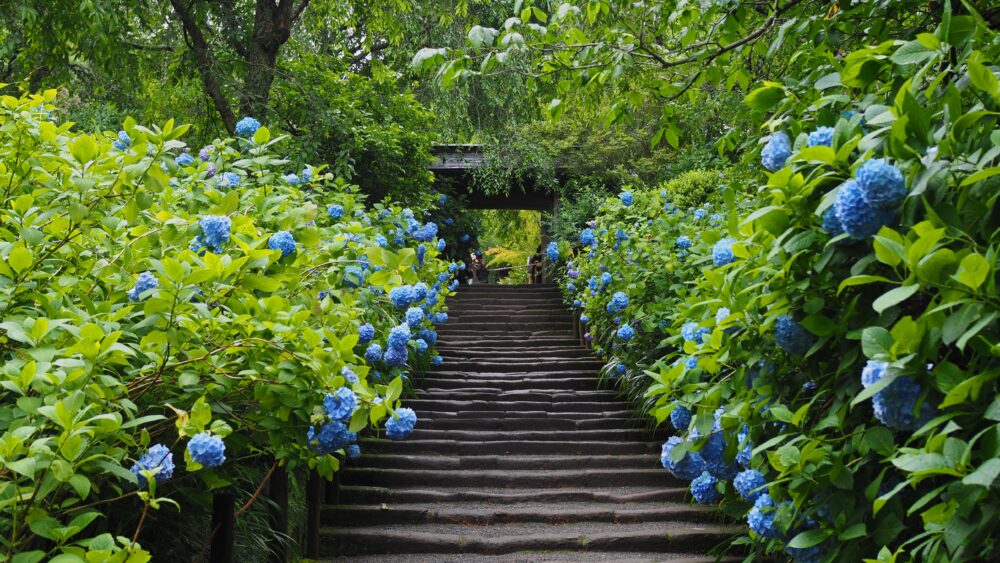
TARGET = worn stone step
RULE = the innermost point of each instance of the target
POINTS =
(551, 406)
(495, 316)
(522, 424)
(506, 382)
(540, 557)
(508, 538)
(543, 462)
(595, 435)
(515, 479)
(543, 415)
(503, 354)
(511, 446)
(514, 326)
(547, 395)
(463, 341)
(539, 377)
(537, 364)
(492, 333)
(491, 495)
(488, 515)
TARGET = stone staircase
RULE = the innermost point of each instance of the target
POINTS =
(516, 456)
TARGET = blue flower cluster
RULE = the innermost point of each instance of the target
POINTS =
(587, 237)
(247, 126)
(335, 211)
(157, 458)
(626, 333)
(283, 241)
(690, 332)
(228, 180)
(822, 136)
(618, 303)
(680, 417)
(145, 282)
(402, 296)
(184, 159)
(703, 489)
(427, 232)
(552, 251)
(331, 437)
(865, 205)
(626, 198)
(776, 151)
(750, 484)
(683, 242)
(400, 424)
(123, 142)
(373, 353)
(688, 467)
(340, 404)
(761, 517)
(722, 252)
(207, 449)
(414, 316)
(896, 404)
(791, 337)
(215, 230)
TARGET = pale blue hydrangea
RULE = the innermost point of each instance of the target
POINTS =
(618, 303)
(626, 333)
(703, 489)
(331, 437)
(700, 213)
(414, 316)
(123, 142)
(157, 458)
(587, 237)
(722, 252)
(606, 279)
(691, 362)
(402, 296)
(207, 449)
(584, 319)
(340, 404)
(760, 519)
(750, 484)
(184, 159)
(399, 335)
(745, 451)
(776, 151)
(215, 231)
(381, 240)
(420, 345)
(791, 337)
(373, 353)
(626, 198)
(688, 467)
(427, 232)
(721, 315)
(690, 332)
(145, 282)
(349, 375)
(419, 292)
(228, 180)
(552, 251)
(399, 425)
(439, 317)
(683, 242)
(437, 360)
(881, 183)
(247, 126)
(366, 333)
(822, 136)
(283, 241)
(335, 211)
(354, 276)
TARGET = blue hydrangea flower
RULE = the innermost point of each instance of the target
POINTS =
(700, 214)
(791, 337)
(587, 237)
(283, 241)
(689, 466)
(420, 345)
(621, 369)
(714, 455)
(145, 282)
(453, 285)
(340, 404)
(427, 232)
(626, 198)
(428, 335)
(626, 333)
(401, 424)
(441, 245)
(157, 458)
(722, 252)
(822, 136)
(872, 372)
(206, 152)
(402, 296)
(584, 319)
(895, 406)
(857, 216)
(349, 375)
(683, 242)
(291, 179)
(228, 180)
(210, 171)
(437, 360)
(571, 287)
(618, 303)
(691, 332)
(881, 184)
(691, 362)
(439, 318)
(621, 235)
(606, 279)
(831, 223)
(721, 315)
(184, 159)
(215, 230)
(123, 142)
(552, 251)
(680, 417)
(247, 126)
(373, 353)
(745, 451)
(464, 238)
(399, 336)
(760, 519)
(750, 484)
(353, 451)
(207, 449)
(396, 356)
(419, 291)
(414, 316)
(354, 276)
(335, 211)
(776, 151)
(703, 489)
(331, 437)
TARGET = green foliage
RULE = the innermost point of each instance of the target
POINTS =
(921, 296)
(241, 341)
(693, 188)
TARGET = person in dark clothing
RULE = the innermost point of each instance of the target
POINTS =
(535, 266)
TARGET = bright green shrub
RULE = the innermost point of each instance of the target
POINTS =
(858, 376)
(243, 339)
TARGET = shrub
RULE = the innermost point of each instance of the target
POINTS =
(834, 363)
(156, 330)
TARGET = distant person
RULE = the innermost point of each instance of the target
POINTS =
(483, 273)
(535, 266)
(477, 269)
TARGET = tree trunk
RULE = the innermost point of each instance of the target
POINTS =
(203, 58)
(272, 27)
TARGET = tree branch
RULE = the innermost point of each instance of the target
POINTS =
(203, 58)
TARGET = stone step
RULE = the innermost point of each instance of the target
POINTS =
(550, 556)
(489, 333)
(519, 424)
(504, 354)
(526, 365)
(493, 495)
(471, 316)
(513, 479)
(550, 406)
(542, 462)
(467, 324)
(509, 538)
(456, 341)
(512, 446)
(507, 382)
(519, 395)
(589, 435)
(542, 415)
(487, 301)
(541, 378)
(489, 515)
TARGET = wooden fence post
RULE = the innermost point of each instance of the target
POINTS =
(314, 507)
(278, 493)
(223, 527)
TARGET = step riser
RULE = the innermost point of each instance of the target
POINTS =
(388, 461)
(555, 397)
(350, 515)
(487, 436)
(566, 384)
(556, 365)
(493, 405)
(377, 495)
(522, 424)
(522, 447)
(507, 344)
(510, 415)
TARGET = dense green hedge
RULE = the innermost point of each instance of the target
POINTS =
(214, 305)
(852, 377)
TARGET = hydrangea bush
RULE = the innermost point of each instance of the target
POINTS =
(827, 349)
(163, 319)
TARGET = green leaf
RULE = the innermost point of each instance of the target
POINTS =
(809, 538)
(84, 149)
(879, 439)
(926, 464)
(980, 175)
(985, 475)
(262, 135)
(894, 297)
(888, 251)
(983, 78)
(972, 271)
(856, 531)
(912, 52)
(876, 341)
(265, 284)
(394, 390)
(20, 259)
(482, 36)
(860, 280)
(765, 98)
(29, 557)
